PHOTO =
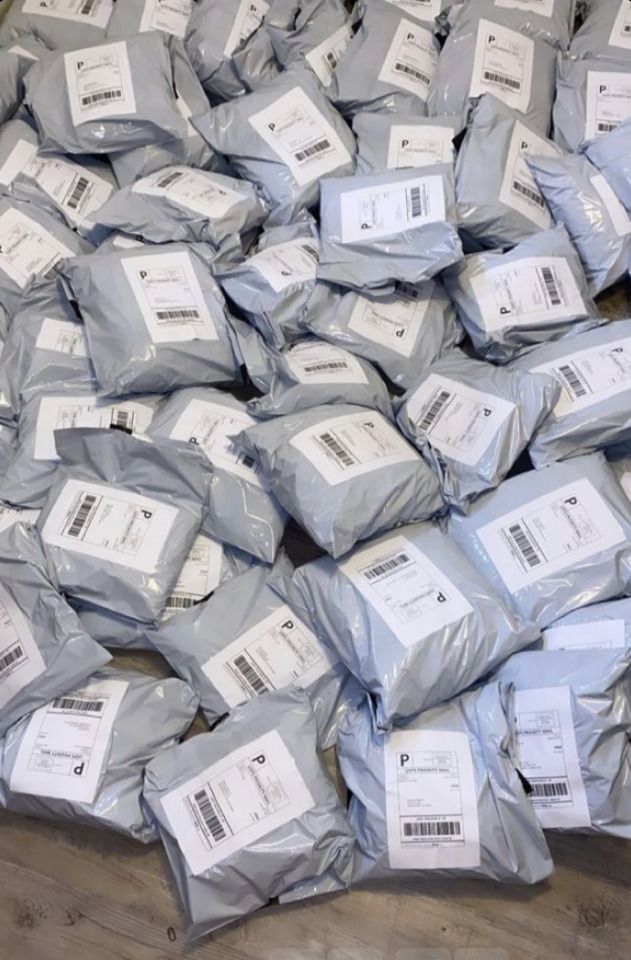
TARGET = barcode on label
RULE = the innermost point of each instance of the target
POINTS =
(417, 207)
(336, 449)
(79, 189)
(326, 365)
(432, 828)
(208, 815)
(169, 179)
(386, 566)
(603, 127)
(528, 193)
(81, 516)
(78, 705)
(503, 80)
(180, 603)
(435, 408)
(523, 544)
(10, 657)
(551, 287)
(311, 251)
(572, 381)
(249, 674)
(122, 420)
(91, 98)
(411, 72)
(331, 59)
(320, 147)
(554, 789)
(184, 314)
(87, 7)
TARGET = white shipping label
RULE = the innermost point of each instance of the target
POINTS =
(16, 161)
(320, 362)
(68, 413)
(617, 214)
(66, 743)
(383, 211)
(503, 65)
(547, 756)
(394, 322)
(121, 242)
(62, 336)
(519, 189)
(76, 190)
(241, 798)
(170, 16)
(543, 8)
(99, 82)
(20, 659)
(625, 483)
(300, 136)
(109, 523)
(169, 297)
(93, 13)
(212, 426)
(324, 58)
(292, 262)
(192, 189)
(343, 448)
(199, 576)
(621, 31)
(431, 800)
(592, 635)
(406, 589)
(590, 375)
(411, 59)
(248, 18)
(278, 651)
(421, 9)
(555, 532)
(11, 515)
(27, 249)
(413, 145)
(531, 291)
(607, 102)
(457, 420)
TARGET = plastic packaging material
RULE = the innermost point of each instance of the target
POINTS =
(60, 26)
(388, 65)
(106, 98)
(485, 804)
(272, 741)
(499, 203)
(344, 473)
(8, 444)
(535, 292)
(229, 47)
(611, 154)
(551, 540)
(121, 518)
(594, 409)
(582, 200)
(81, 757)
(314, 31)
(409, 616)
(603, 626)
(426, 10)
(139, 16)
(552, 22)
(603, 32)
(593, 97)
(188, 147)
(285, 138)
(401, 334)
(471, 421)
(619, 458)
(71, 404)
(13, 69)
(310, 373)
(182, 204)
(572, 733)
(155, 318)
(387, 141)
(37, 243)
(486, 56)
(245, 641)
(18, 143)
(45, 651)
(241, 510)
(9, 516)
(399, 225)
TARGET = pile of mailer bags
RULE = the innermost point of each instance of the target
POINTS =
(305, 386)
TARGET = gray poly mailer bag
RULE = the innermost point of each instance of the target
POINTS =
(388, 65)
(244, 642)
(611, 154)
(45, 651)
(510, 301)
(399, 225)
(580, 198)
(182, 204)
(486, 56)
(387, 141)
(9, 516)
(593, 97)
(409, 616)
(344, 473)
(18, 143)
(551, 540)
(552, 22)
(604, 32)
(602, 626)
(8, 445)
(409, 827)
(285, 138)
(471, 421)
(401, 334)
(499, 203)
(105, 98)
(121, 518)
(81, 757)
(571, 726)
(240, 509)
(155, 318)
(258, 841)
(314, 31)
(64, 25)
(13, 69)
(139, 16)
(593, 411)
